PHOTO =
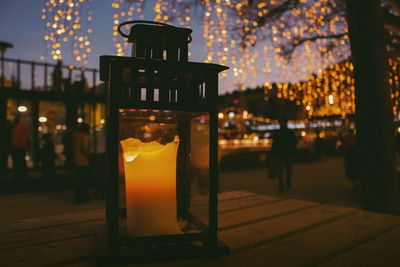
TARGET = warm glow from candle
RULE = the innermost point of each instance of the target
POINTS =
(150, 182)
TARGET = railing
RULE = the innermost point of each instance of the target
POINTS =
(39, 76)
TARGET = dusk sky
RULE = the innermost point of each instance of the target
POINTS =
(22, 26)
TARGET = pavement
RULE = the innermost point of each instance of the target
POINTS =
(321, 181)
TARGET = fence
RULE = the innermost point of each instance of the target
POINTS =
(39, 76)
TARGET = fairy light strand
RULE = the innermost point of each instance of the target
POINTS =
(67, 28)
(313, 73)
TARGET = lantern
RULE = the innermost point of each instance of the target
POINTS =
(162, 149)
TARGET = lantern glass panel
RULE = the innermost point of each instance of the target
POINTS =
(164, 171)
(199, 166)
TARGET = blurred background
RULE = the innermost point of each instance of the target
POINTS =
(286, 61)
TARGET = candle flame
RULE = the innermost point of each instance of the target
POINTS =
(130, 157)
(133, 147)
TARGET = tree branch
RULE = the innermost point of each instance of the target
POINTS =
(319, 37)
(287, 50)
(277, 12)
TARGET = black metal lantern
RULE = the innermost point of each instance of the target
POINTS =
(162, 148)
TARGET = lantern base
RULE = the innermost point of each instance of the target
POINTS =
(153, 253)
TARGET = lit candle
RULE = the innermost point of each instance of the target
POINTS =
(150, 182)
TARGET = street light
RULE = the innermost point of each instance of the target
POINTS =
(162, 149)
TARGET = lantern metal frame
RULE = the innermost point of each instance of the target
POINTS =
(182, 86)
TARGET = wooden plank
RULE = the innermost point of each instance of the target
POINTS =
(47, 235)
(260, 212)
(233, 194)
(226, 196)
(73, 227)
(52, 253)
(19, 243)
(383, 250)
(233, 204)
(200, 203)
(313, 247)
(259, 233)
(244, 229)
(28, 224)
(89, 263)
(241, 203)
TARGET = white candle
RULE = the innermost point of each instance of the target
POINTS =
(150, 182)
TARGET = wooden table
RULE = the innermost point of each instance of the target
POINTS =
(260, 230)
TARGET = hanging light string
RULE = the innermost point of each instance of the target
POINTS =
(67, 28)
(282, 53)
(125, 10)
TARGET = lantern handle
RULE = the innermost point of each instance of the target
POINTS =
(147, 22)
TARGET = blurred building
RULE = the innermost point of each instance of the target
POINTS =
(52, 98)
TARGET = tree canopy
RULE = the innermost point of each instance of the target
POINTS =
(301, 22)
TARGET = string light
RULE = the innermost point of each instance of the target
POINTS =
(67, 28)
(314, 73)
(124, 10)
(332, 91)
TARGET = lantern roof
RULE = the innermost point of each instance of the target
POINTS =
(160, 33)
(189, 66)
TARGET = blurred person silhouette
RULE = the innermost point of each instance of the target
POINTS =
(57, 77)
(5, 147)
(398, 142)
(48, 157)
(318, 145)
(348, 140)
(85, 85)
(67, 148)
(80, 83)
(352, 167)
(351, 163)
(283, 151)
(81, 154)
(19, 144)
